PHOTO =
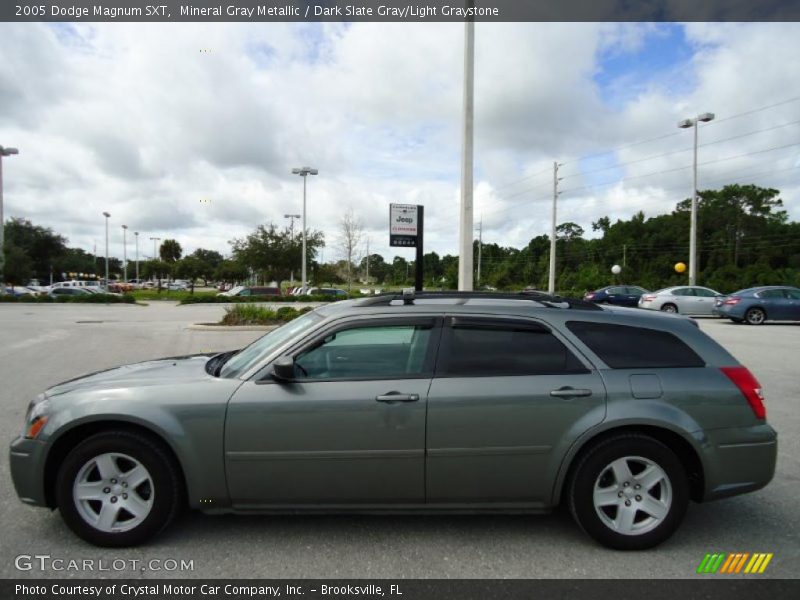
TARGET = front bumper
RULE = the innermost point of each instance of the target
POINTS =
(27, 459)
(738, 460)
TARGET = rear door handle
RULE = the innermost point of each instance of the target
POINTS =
(393, 397)
(568, 392)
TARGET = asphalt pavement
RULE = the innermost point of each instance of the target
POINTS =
(41, 345)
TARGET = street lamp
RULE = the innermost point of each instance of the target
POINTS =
(125, 253)
(291, 227)
(304, 172)
(3, 152)
(106, 215)
(138, 281)
(686, 124)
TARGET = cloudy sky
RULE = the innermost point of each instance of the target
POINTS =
(191, 131)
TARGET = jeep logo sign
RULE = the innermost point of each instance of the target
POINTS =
(403, 225)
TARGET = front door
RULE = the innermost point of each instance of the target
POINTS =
(349, 430)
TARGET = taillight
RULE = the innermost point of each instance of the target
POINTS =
(588, 296)
(648, 297)
(750, 388)
(732, 301)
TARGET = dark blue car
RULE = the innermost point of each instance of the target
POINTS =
(756, 305)
(621, 295)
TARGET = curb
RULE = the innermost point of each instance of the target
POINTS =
(207, 327)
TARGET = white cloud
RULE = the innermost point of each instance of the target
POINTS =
(145, 121)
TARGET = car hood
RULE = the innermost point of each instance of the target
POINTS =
(151, 372)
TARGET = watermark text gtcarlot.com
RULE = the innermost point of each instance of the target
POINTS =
(47, 562)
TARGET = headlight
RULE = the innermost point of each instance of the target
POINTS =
(36, 418)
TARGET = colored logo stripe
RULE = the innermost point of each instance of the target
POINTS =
(734, 563)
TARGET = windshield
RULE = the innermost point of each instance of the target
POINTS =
(263, 346)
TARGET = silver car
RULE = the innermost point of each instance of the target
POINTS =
(683, 299)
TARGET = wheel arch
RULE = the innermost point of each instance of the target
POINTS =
(69, 439)
(683, 448)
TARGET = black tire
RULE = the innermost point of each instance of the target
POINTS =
(594, 464)
(755, 316)
(669, 308)
(167, 486)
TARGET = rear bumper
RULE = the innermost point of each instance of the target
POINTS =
(27, 458)
(738, 460)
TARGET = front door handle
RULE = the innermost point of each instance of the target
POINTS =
(568, 392)
(393, 397)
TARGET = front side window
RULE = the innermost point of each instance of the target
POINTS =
(503, 349)
(368, 352)
(627, 347)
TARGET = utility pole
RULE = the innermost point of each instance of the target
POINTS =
(466, 222)
(291, 228)
(368, 261)
(125, 253)
(624, 255)
(138, 281)
(480, 249)
(551, 282)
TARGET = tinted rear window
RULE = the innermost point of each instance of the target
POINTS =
(503, 350)
(626, 347)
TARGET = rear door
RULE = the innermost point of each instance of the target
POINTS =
(793, 297)
(508, 397)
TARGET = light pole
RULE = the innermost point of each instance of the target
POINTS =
(685, 124)
(3, 152)
(466, 228)
(125, 253)
(154, 240)
(106, 215)
(304, 172)
(291, 227)
(138, 281)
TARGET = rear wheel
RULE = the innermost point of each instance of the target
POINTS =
(755, 316)
(669, 308)
(629, 492)
(118, 488)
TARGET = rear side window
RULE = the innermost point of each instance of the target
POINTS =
(493, 349)
(626, 347)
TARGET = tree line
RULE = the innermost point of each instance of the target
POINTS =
(745, 238)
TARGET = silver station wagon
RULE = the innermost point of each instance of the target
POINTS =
(401, 403)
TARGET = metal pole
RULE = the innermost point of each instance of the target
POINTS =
(551, 282)
(693, 227)
(480, 249)
(125, 253)
(138, 281)
(106, 216)
(303, 284)
(418, 275)
(367, 261)
(2, 232)
(465, 259)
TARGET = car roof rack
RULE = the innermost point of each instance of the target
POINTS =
(408, 296)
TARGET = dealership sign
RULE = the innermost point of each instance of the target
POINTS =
(403, 225)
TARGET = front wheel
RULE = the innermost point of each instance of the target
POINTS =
(118, 489)
(629, 492)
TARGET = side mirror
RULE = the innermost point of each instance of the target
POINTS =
(283, 369)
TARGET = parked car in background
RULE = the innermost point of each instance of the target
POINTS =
(18, 291)
(252, 291)
(619, 295)
(70, 291)
(683, 299)
(75, 283)
(335, 292)
(424, 403)
(756, 305)
(179, 285)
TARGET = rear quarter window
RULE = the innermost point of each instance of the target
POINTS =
(629, 347)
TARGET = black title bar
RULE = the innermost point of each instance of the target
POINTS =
(400, 10)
